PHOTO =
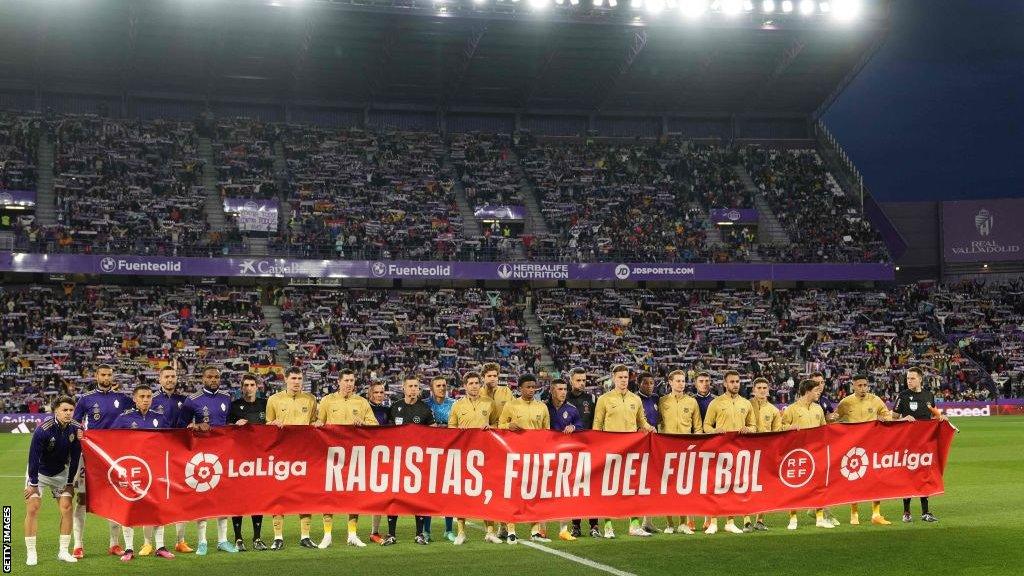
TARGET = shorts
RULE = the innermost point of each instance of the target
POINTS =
(57, 484)
(79, 479)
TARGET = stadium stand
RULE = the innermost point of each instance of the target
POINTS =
(19, 147)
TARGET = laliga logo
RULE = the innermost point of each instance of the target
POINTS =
(202, 473)
(504, 271)
(854, 464)
(131, 477)
(733, 215)
(378, 269)
(622, 271)
(983, 221)
(108, 264)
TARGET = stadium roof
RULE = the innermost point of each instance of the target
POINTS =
(442, 54)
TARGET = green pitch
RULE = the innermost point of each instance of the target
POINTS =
(979, 532)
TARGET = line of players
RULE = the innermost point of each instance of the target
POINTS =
(54, 456)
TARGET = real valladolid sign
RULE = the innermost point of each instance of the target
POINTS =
(152, 478)
(405, 269)
(982, 230)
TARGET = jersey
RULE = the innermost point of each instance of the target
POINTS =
(54, 448)
(135, 420)
(338, 409)
(680, 415)
(500, 396)
(620, 412)
(703, 402)
(205, 407)
(766, 416)
(254, 412)
(803, 415)
(915, 404)
(650, 403)
(168, 405)
(728, 414)
(441, 410)
(469, 413)
(98, 410)
(291, 409)
(585, 404)
(381, 413)
(416, 413)
(532, 415)
(564, 416)
(853, 409)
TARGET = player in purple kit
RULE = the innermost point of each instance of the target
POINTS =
(585, 402)
(142, 417)
(168, 402)
(52, 462)
(564, 418)
(201, 411)
(97, 409)
(649, 398)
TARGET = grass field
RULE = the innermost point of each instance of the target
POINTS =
(980, 532)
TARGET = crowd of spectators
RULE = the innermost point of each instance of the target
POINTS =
(355, 194)
(245, 160)
(383, 334)
(822, 222)
(125, 186)
(52, 337)
(19, 145)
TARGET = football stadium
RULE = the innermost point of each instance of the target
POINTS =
(630, 287)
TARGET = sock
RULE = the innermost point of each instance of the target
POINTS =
(819, 514)
(222, 530)
(392, 525)
(257, 526)
(78, 524)
(129, 537)
(179, 532)
(510, 528)
(634, 523)
(447, 524)
(353, 526)
(536, 529)
(114, 529)
(563, 527)
(236, 524)
(854, 509)
(419, 524)
(792, 515)
(201, 529)
(30, 545)
(488, 525)
(924, 505)
(374, 525)
(158, 537)
(426, 524)
(278, 527)
(746, 520)
(730, 520)
(461, 523)
(576, 523)
(147, 535)
(304, 526)
(64, 542)
(876, 509)
(328, 524)
(906, 505)
(593, 522)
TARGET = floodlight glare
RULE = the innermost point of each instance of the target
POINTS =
(748, 5)
(825, 7)
(636, 4)
(846, 9)
(807, 7)
(655, 6)
(693, 8)
(598, 3)
(613, 3)
(539, 4)
(768, 6)
(574, 2)
(787, 6)
(732, 7)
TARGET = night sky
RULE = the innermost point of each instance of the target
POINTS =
(938, 113)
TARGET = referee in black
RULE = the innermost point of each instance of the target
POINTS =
(918, 403)
(411, 409)
(248, 409)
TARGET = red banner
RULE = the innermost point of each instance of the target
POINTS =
(140, 478)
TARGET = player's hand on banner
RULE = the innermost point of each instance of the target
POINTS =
(515, 427)
(278, 423)
(569, 429)
(241, 422)
(318, 424)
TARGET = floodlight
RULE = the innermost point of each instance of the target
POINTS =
(807, 7)
(787, 6)
(693, 8)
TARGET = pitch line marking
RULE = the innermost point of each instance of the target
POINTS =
(567, 556)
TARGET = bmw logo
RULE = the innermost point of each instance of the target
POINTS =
(108, 264)
(378, 269)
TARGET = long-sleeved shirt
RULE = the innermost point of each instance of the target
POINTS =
(291, 409)
(346, 410)
(470, 413)
(703, 402)
(135, 420)
(803, 415)
(54, 447)
(766, 415)
(205, 407)
(532, 415)
(651, 408)
(585, 404)
(169, 405)
(97, 409)
(441, 410)
(728, 414)
(867, 409)
(680, 415)
(564, 416)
